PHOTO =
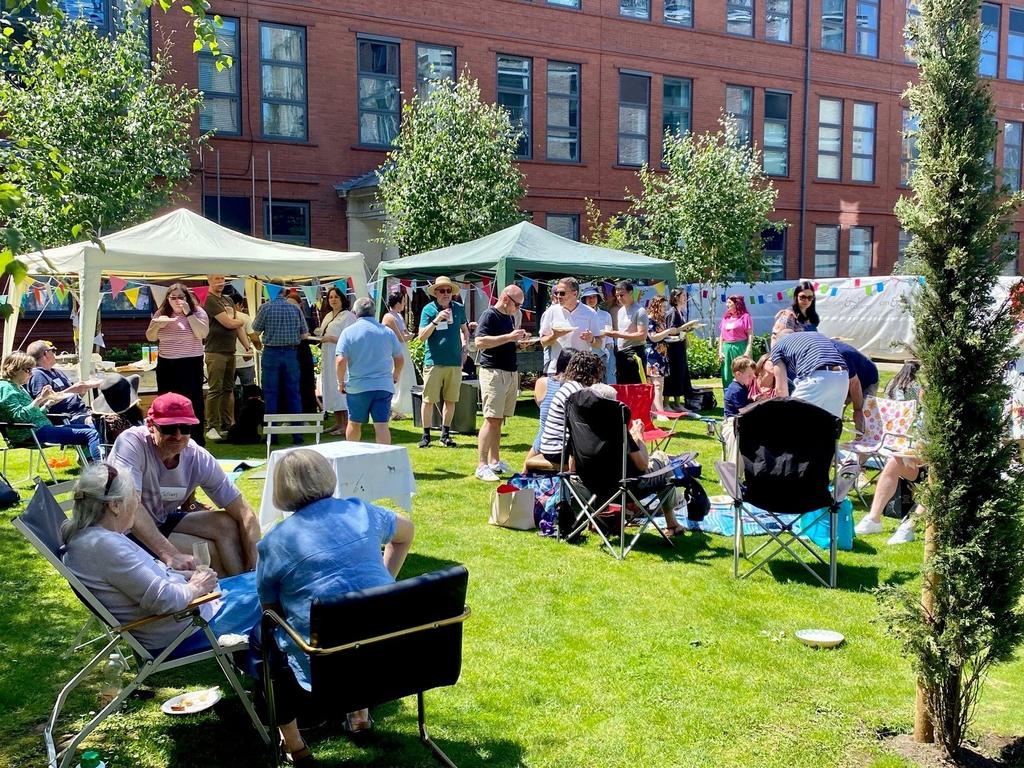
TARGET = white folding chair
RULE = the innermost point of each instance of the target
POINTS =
(292, 424)
(40, 524)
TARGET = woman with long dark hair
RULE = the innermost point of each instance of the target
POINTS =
(658, 332)
(735, 335)
(337, 318)
(179, 327)
(677, 384)
(804, 306)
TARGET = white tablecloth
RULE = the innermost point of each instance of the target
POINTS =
(366, 470)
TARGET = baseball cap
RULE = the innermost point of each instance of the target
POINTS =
(172, 408)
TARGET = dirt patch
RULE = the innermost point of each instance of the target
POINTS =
(990, 751)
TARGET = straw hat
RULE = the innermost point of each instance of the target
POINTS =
(442, 281)
(117, 394)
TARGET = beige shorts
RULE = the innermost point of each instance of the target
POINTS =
(442, 382)
(498, 390)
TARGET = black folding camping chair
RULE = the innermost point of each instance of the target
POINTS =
(788, 468)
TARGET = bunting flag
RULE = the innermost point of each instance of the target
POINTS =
(834, 292)
(310, 292)
(117, 285)
(74, 321)
(779, 296)
(98, 341)
(132, 294)
(527, 285)
(272, 290)
(406, 283)
(464, 295)
(159, 293)
(371, 290)
(856, 283)
(3, 299)
(867, 290)
(659, 287)
(920, 279)
(488, 288)
(760, 299)
(880, 287)
(62, 292)
(238, 284)
(824, 288)
(201, 292)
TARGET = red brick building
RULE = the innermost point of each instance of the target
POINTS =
(817, 84)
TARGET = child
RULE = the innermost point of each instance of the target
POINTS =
(737, 397)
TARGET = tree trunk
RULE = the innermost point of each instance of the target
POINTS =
(924, 727)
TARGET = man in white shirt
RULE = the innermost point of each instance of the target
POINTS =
(630, 357)
(568, 324)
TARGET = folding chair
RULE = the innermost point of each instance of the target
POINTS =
(786, 473)
(40, 524)
(639, 398)
(380, 644)
(887, 425)
(599, 485)
(35, 447)
(292, 424)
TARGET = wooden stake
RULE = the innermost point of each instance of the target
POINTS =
(924, 728)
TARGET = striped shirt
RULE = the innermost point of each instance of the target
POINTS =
(280, 322)
(806, 352)
(176, 338)
(553, 437)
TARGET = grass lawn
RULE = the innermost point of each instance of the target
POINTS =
(570, 657)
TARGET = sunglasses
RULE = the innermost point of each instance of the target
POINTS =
(174, 429)
(442, 290)
(559, 293)
(517, 303)
(805, 296)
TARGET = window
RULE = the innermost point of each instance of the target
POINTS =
(913, 12)
(988, 64)
(95, 12)
(563, 111)
(1011, 154)
(1011, 246)
(826, 251)
(634, 118)
(778, 20)
(564, 224)
(283, 81)
(867, 27)
(222, 89)
(434, 64)
(635, 9)
(860, 251)
(908, 147)
(679, 12)
(565, 3)
(286, 222)
(1015, 45)
(739, 105)
(830, 139)
(863, 154)
(904, 243)
(675, 106)
(380, 101)
(774, 250)
(229, 211)
(833, 25)
(776, 133)
(514, 90)
(739, 17)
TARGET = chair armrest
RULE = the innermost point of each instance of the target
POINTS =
(730, 483)
(189, 609)
(846, 477)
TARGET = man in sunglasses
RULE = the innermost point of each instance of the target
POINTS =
(445, 332)
(568, 323)
(167, 468)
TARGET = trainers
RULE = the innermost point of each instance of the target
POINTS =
(501, 468)
(904, 534)
(213, 434)
(424, 442)
(483, 472)
(447, 442)
(867, 526)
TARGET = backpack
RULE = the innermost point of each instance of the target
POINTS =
(702, 399)
(249, 411)
(8, 496)
(697, 502)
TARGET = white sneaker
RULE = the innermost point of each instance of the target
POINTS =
(904, 534)
(867, 526)
(213, 434)
(483, 472)
(501, 468)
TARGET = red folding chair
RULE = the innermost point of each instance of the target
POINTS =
(640, 400)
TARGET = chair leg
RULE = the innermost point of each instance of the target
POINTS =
(737, 533)
(425, 737)
(236, 686)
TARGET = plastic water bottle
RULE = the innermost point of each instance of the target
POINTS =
(91, 759)
(110, 686)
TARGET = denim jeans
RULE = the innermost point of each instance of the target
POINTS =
(281, 380)
(70, 435)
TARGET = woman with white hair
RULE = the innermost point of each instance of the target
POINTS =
(130, 583)
(327, 547)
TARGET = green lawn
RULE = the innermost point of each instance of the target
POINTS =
(570, 657)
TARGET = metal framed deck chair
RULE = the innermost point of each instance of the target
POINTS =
(292, 424)
(786, 473)
(36, 448)
(597, 485)
(639, 398)
(40, 524)
(356, 641)
(887, 430)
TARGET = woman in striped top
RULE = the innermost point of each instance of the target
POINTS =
(179, 327)
(584, 369)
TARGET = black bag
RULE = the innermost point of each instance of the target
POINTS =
(8, 496)
(249, 411)
(697, 502)
(702, 399)
(902, 502)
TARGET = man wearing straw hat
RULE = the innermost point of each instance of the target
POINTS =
(445, 333)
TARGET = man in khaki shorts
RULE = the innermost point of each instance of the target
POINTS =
(499, 378)
(445, 332)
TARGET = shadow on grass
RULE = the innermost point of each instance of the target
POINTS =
(694, 547)
(417, 564)
(851, 578)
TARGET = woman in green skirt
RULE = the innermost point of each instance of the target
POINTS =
(735, 335)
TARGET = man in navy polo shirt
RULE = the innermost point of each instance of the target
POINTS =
(813, 363)
(863, 379)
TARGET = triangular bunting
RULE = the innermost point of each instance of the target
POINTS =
(272, 290)
(159, 293)
(201, 292)
(527, 285)
(239, 285)
(310, 292)
(117, 285)
(132, 294)
(488, 287)
(98, 341)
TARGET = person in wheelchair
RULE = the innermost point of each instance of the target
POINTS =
(133, 585)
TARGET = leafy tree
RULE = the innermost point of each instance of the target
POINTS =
(123, 129)
(970, 616)
(610, 232)
(452, 175)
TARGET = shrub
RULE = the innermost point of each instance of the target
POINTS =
(702, 357)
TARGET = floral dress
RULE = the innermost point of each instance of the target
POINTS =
(657, 351)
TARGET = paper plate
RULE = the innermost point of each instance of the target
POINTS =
(191, 702)
(820, 638)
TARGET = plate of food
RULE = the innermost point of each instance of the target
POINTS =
(820, 638)
(562, 327)
(191, 702)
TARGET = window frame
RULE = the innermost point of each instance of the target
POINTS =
(836, 228)
(646, 17)
(908, 147)
(360, 111)
(788, 16)
(303, 205)
(870, 247)
(568, 97)
(618, 130)
(912, 12)
(1010, 35)
(290, 65)
(1019, 146)
(205, 58)
(574, 218)
(776, 121)
(996, 36)
(749, 116)
(683, 25)
(526, 125)
(686, 110)
(828, 153)
(876, 4)
(572, 5)
(771, 275)
(873, 131)
(841, 27)
(740, 5)
(436, 46)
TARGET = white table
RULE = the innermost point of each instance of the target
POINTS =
(365, 470)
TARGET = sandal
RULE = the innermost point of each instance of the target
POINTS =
(355, 725)
(300, 757)
(678, 530)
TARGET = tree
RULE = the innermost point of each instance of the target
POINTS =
(452, 175)
(110, 113)
(970, 616)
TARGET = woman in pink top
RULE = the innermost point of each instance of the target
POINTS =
(179, 327)
(735, 336)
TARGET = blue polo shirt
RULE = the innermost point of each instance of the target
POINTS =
(444, 346)
(859, 364)
(369, 349)
(806, 352)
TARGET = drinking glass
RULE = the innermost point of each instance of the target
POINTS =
(201, 553)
